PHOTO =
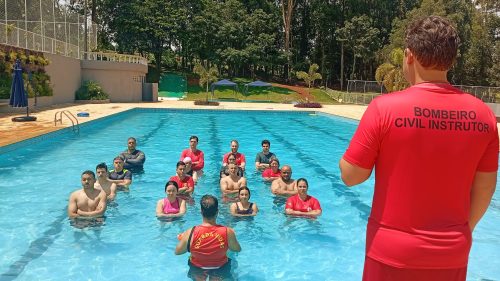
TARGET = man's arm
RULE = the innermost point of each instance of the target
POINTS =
(201, 161)
(482, 190)
(139, 160)
(124, 182)
(351, 174)
(112, 193)
(181, 247)
(232, 241)
(72, 206)
(243, 161)
(100, 209)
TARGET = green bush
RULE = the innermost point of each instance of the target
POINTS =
(91, 90)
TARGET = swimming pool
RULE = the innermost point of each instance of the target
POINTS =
(38, 242)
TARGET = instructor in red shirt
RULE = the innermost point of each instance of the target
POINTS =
(208, 244)
(435, 153)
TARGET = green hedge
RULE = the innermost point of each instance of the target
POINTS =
(91, 90)
(34, 61)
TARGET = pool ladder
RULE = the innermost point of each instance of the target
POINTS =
(75, 125)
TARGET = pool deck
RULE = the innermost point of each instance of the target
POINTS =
(12, 132)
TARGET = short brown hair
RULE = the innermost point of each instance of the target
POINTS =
(433, 41)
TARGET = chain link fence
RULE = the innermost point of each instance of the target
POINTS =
(363, 92)
(45, 25)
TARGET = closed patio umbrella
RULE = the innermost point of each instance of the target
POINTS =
(18, 96)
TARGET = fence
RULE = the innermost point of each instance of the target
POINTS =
(363, 92)
(99, 56)
(45, 25)
(362, 86)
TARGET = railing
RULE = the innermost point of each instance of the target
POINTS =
(99, 56)
(75, 125)
(363, 92)
(17, 37)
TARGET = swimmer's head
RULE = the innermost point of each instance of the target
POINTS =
(171, 183)
(180, 167)
(302, 185)
(118, 158)
(231, 158)
(193, 141)
(88, 179)
(265, 145)
(234, 146)
(131, 143)
(244, 191)
(274, 162)
(101, 170)
(187, 160)
(286, 172)
(209, 206)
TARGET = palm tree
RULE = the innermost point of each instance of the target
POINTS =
(390, 74)
(206, 76)
(310, 76)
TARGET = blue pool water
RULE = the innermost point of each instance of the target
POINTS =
(38, 242)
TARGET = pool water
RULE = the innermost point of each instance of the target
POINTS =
(39, 243)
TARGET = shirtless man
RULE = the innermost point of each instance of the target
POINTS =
(120, 176)
(284, 185)
(87, 202)
(231, 184)
(103, 182)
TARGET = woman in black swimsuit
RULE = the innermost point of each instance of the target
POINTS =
(244, 208)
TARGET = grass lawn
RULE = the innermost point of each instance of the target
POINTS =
(264, 94)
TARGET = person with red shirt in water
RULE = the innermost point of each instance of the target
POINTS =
(208, 244)
(197, 158)
(184, 182)
(240, 157)
(435, 153)
(273, 172)
(302, 204)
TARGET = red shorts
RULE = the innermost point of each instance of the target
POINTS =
(377, 271)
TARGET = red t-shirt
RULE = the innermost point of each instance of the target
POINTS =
(209, 246)
(186, 180)
(240, 157)
(197, 156)
(268, 173)
(295, 203)
(426, 143)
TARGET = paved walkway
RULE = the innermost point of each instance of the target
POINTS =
(12, 132)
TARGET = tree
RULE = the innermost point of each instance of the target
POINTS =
(390, 74)
(206, 76)
(359, 35)
(310, 76)
(287, 14)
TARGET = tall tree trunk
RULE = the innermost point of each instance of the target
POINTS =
(353, 66)
(287, 23)
(342, 65)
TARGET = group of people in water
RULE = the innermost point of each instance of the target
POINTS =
(91, 200)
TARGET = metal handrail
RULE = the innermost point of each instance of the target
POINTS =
(71, 117)
(101, 56)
